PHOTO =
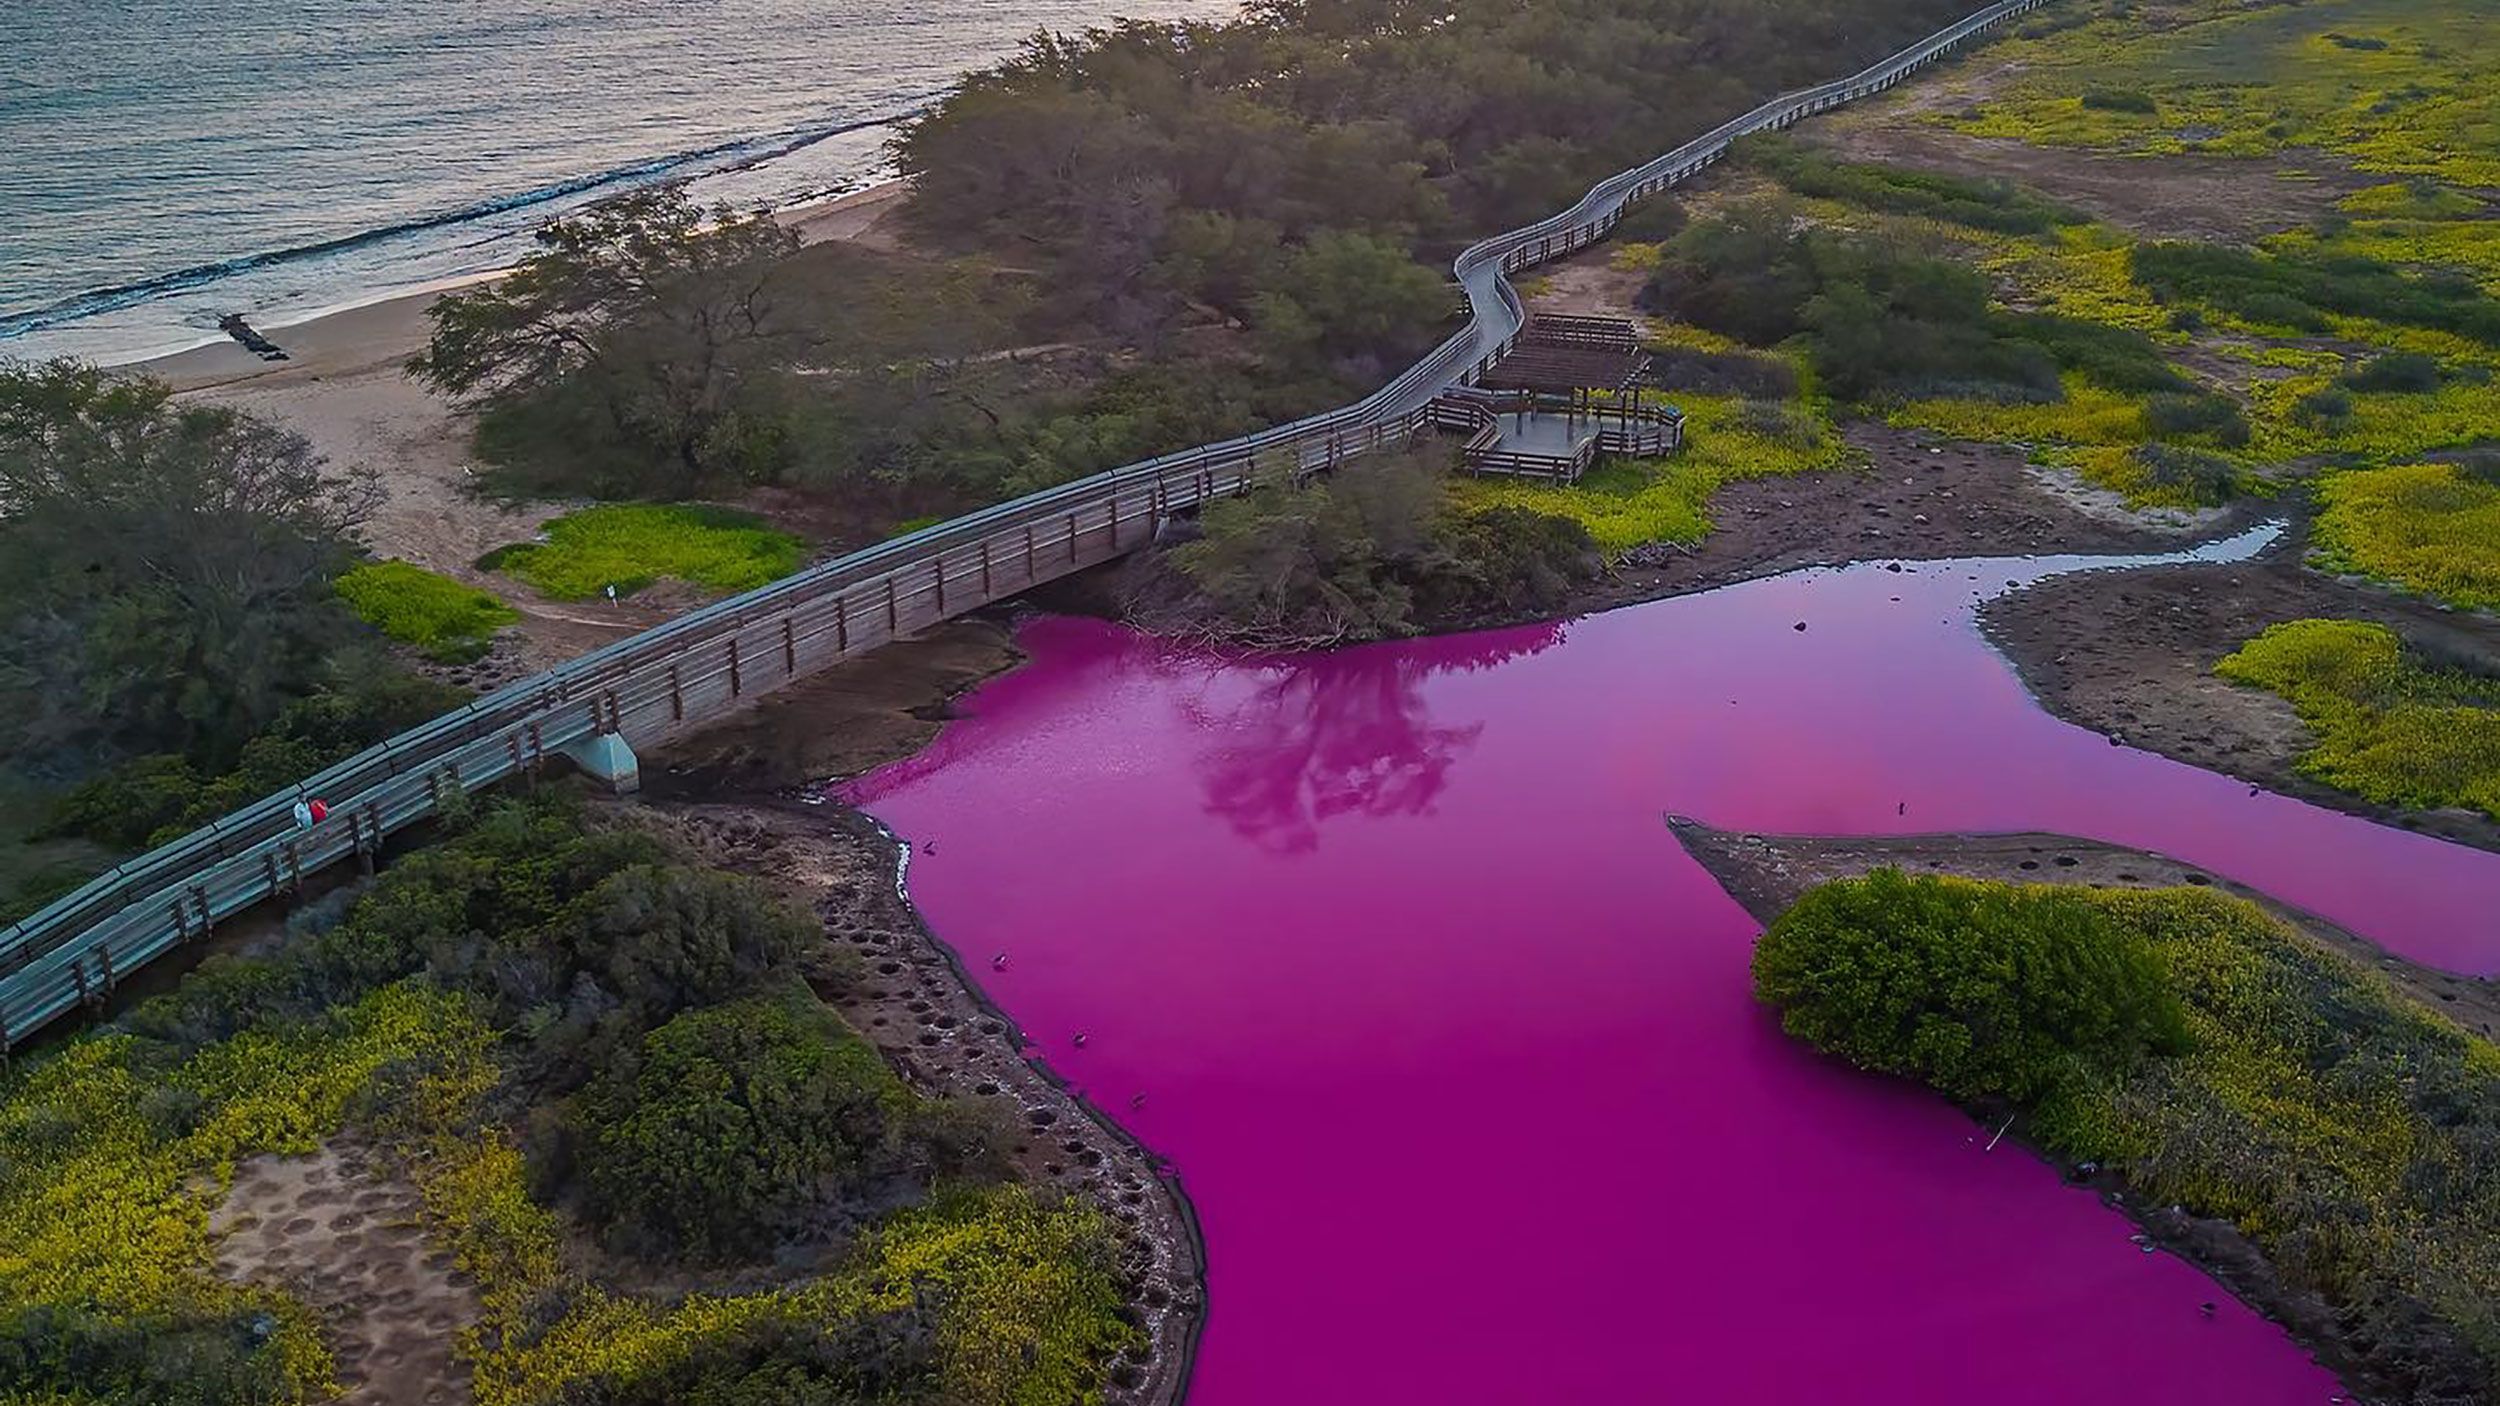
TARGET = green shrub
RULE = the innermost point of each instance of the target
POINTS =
(450, 621)
(2193, 475)
(1374, 552)
(2298, 292)
(1982, 991)
(2119, 100)
(75, 1352)
(631, 545)
(2324, 408)
(2398, 373)
(735, 1128)
(2214, 418)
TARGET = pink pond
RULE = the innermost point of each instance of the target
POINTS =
(1453, 1047)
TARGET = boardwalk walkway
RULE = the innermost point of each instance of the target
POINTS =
(675, 677)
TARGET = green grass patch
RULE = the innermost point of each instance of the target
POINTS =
(2388, 728)
(631, 545)
(2431, 528)
(2209, 1056)
(450, 620)
(1624, 503)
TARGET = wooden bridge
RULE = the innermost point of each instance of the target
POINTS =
(642, 691)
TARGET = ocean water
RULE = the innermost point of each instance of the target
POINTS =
(1455, 1049)
(166, 161)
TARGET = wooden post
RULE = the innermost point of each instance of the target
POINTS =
(78, 973)
(676, 698)
(841, 625)
(1114, 525)
(938, 561)
(789, 648)
(1072, 536)
(208, 920)
(893, 617)
(737, 685)
(985, 568)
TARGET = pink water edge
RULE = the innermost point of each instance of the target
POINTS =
(1453, 1047)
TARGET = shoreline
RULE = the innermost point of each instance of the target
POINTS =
(1765, 873)
(364, 333)
(738, 791)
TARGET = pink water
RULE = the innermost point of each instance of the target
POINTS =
(1453, 1046)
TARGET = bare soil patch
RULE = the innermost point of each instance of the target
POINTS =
(2132, 654)
(348, 1238)
(1589, 285)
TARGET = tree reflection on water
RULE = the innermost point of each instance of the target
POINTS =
(1344, 733)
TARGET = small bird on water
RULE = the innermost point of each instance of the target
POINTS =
(999, 962)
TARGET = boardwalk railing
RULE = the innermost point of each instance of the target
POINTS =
(678, 675)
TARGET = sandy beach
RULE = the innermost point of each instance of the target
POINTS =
(344, 387)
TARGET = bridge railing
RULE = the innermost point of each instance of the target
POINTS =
(683, 672)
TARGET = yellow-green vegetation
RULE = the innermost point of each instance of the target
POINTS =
(450, 620)
(1626, 503)
(2388, 728)
(1030, 1314)
(2407, 87)
(2211, 1058)
(476, 986)
(631, 545)
(116, 1149)
(2432, 528)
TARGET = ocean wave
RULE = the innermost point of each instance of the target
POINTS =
(719, 158)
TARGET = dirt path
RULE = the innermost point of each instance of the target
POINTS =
(2133, 655)
(349, 1240)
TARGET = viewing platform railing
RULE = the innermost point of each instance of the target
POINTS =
(681, 674)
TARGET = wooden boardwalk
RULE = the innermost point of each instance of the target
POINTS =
(675, 677)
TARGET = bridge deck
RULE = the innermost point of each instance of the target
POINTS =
(680, 675)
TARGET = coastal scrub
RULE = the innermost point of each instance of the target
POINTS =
(2209, 1057)
(2432, 528)
(2387, 728)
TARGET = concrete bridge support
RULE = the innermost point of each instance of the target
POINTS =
(606, 757)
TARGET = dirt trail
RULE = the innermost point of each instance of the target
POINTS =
(348, 1239)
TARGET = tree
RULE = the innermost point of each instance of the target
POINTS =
(1982, 990)
(1348, 296)
(732, 1124)
(165, 570)
(649, 325)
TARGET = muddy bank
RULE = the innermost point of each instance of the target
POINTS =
(917, 1001)
(837, 722)
(1767, 873)
(1914, 498)
(2132, 654)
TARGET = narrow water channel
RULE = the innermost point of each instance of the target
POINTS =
(1454, 1048)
